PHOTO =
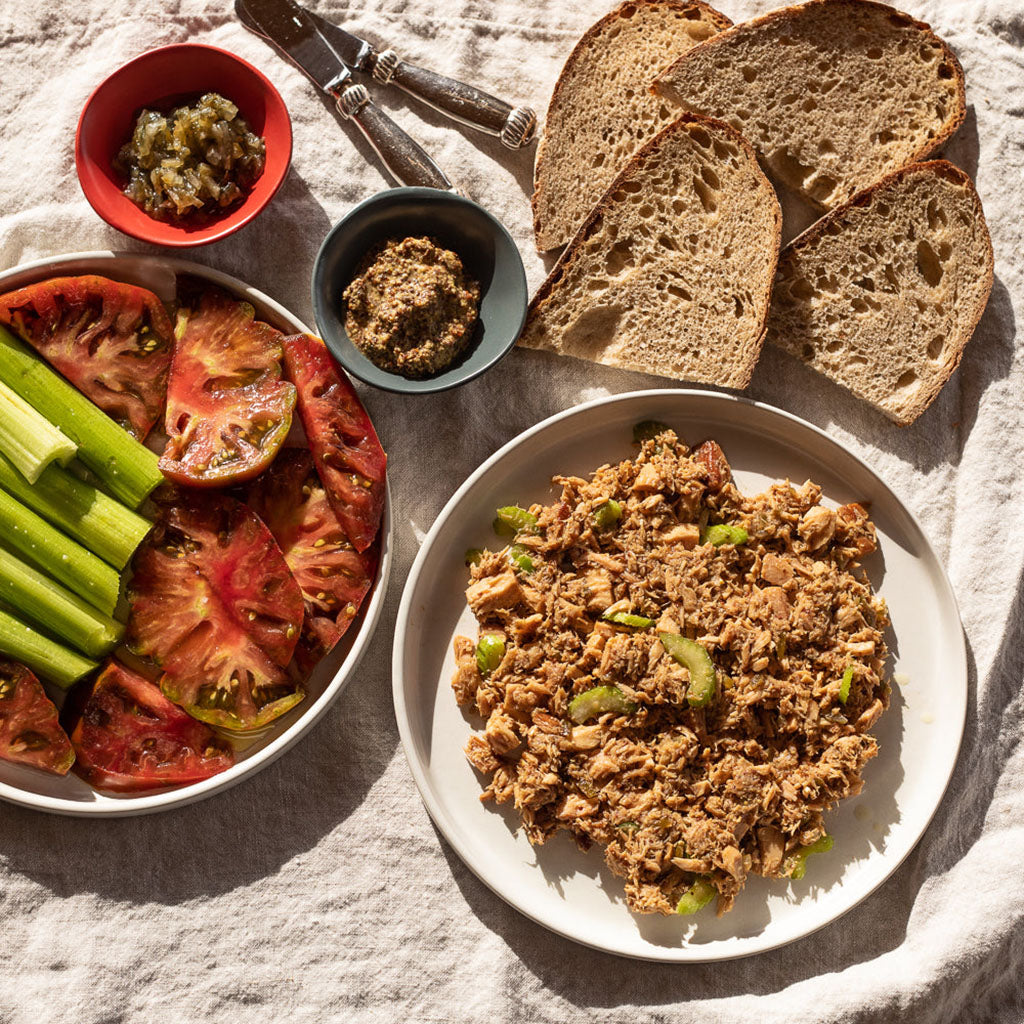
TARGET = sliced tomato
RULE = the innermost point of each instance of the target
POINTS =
(228, 410)
(214, 604)
(348, 456)
(128, 736)
(111, 340)
(333, 576)
(29, 730)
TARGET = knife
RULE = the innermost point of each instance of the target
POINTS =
(289, 29)
(515, 126)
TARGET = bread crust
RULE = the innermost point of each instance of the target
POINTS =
(943, 168)
(661, 84)
(567, 73)
(572, 250)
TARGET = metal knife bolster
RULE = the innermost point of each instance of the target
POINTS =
(405, 159)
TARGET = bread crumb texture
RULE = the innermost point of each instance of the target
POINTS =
(602, 109)
(883, 293)
(833, 94)
(671, 273)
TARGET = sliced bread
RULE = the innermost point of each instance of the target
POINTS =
(883, 293)
(671, 272)
(833, 94)
(602, 110)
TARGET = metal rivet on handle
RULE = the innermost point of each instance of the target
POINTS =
(353, 99)
(519, 128)
(385, 65)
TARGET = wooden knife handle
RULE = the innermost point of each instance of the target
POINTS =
(407, 161)
(515, 126)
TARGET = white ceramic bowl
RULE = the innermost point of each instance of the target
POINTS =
(573, 893)
(70, 795)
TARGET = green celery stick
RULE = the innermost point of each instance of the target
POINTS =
(126, 468)
(93, 518)
(53, 552)
(28, 439)
(42, 655)
(55, 608)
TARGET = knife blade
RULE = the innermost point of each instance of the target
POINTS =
(292, 31)
(515, 126)
(357, 53)
(289, 29)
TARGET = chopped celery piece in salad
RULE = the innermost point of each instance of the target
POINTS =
(628, 619)
(697, 897)
(607, 514)
(520, 558)
(696, 660)
(490, 649)
(516, 519)
(723, 534)
(845, 684)
(799, 859)
(599, 701)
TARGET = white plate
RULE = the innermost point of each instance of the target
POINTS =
(573, 893)
(70, 795)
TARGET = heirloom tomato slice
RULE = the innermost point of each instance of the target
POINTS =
(333, 576)
(228, 410)
(128, 736)
(348, 456)
(214, 604)
(29, 731)
(111, 340)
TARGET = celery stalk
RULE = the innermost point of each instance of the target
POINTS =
(126, 468)
(53, 552)
(41, 654)
(55, 608)
(28, 439)
(103, 525)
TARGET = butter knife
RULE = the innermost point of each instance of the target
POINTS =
(515, 126)
(291, 31)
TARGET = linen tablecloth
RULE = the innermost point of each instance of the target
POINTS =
(319, 890)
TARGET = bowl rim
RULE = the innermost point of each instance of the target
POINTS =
(319, 301)
(224, 227)
(113, 806)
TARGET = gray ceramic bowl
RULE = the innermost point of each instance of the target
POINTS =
(488, 253)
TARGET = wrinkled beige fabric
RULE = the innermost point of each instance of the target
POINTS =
(318, 890)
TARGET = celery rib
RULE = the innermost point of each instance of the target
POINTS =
(126, 468)
(53, 552)
(105, 526)
(29, 439)
(45, 657)
(55, 608)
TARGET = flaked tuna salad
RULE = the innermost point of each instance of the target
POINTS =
(682, 674)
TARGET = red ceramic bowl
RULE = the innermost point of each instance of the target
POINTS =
(159, 79)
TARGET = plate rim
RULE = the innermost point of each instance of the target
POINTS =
(683, 953)
(164, 800)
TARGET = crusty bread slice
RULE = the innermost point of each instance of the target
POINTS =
(671, 272)
(833, 94)
(602, 110)
(883, 293)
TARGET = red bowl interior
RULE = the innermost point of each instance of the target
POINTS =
(158, 79)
